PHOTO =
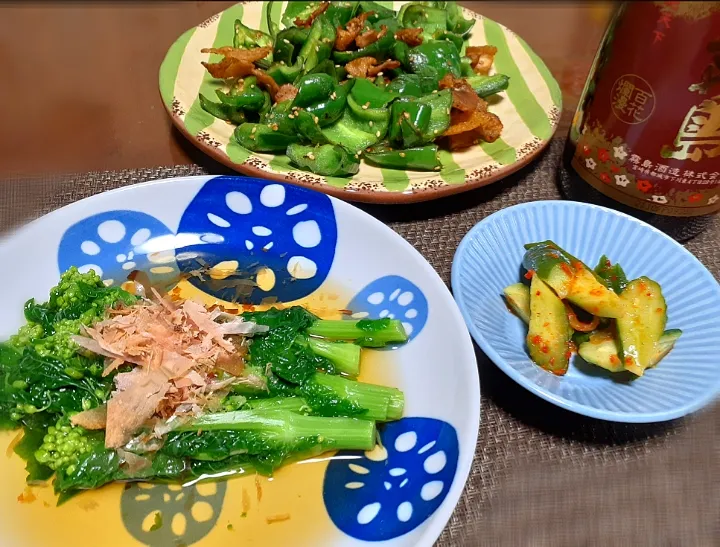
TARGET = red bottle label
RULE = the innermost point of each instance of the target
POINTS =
(648, 126)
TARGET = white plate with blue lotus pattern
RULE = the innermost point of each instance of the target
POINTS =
(489, 259)
(314, 250)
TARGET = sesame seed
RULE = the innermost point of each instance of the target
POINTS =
(435, 132)
(316, 119)
(338, 66)
(402, 154)
(436, 168)
(253, 130)
(371, 123)
(378, 134)
(275, 127)
(317, 48)
(406, 115)
(286, 40)
(434, 90)
(366, 106)
(380, 73)
(310, 155)
(333, 95)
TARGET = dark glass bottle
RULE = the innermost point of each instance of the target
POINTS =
(645, 138)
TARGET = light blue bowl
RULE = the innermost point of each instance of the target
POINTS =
(489, 258)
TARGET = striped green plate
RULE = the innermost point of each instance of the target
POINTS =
(529, 109)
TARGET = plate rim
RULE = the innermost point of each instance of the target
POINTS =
(438, 520)
(364, 196)
(562, 402)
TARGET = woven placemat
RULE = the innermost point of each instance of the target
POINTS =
(541, 475)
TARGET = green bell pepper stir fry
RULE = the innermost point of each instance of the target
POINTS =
(343, 82)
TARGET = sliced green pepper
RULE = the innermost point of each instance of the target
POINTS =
(313, 88)
(328, 160)
(358, 128)
(308, 127)
(418, 159)
(222, 111)
(272, 24)
(267, 105)
(364, 112)
(288, 43)
(401, 53)
(435, 58)
(258, 137)
(248, 97)
(485, 86)
(379, 11)
(367, 93)
(456, 22)
(326, 67)
(330, 110)
(278, 117)
(298, 10)
(247, 38)
(466, 69)
(409, 121)
(318, 45)
(339, 13)
(283, 74)
(430, 19)
(380, 49)
(450, 37)
(391, 23)
(406, 85)
(440, 102)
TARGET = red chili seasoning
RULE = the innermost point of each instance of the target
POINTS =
(565, 268)
(545, 349)
(529, 274)
(536, 340)
(537, 293)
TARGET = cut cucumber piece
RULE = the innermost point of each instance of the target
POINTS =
(518, 298)
(665, 344)
(603, 350)
(571, 279)
(612, 274)
(549, 330)
(642, 323)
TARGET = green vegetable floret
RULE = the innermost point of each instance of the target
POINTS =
(26, 335)
(63, 444)
(60, 345)
(68, 292)
(77, 288)
(78, 299)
